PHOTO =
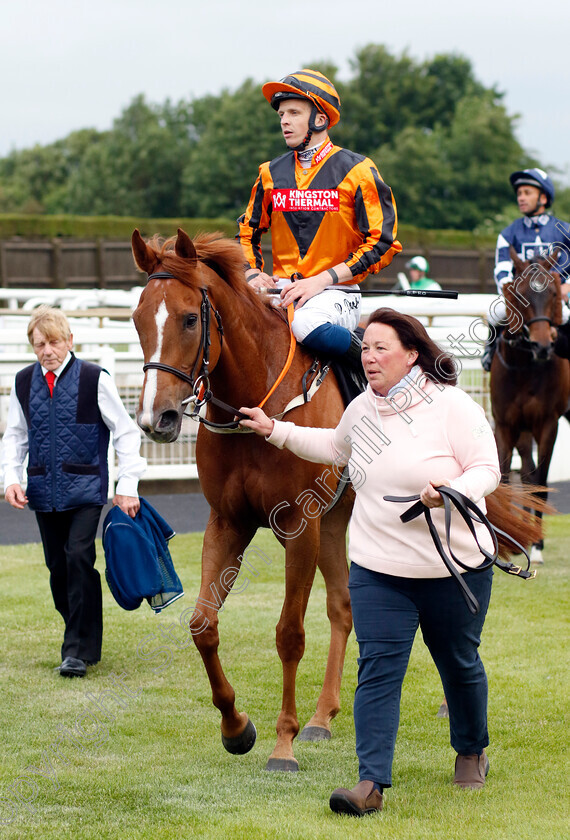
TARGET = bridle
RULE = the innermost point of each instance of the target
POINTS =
(520, 340)
(201, 393)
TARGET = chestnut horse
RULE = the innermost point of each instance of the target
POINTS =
(204, 330)
(530, 385)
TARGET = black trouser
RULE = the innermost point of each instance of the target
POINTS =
(68, 539)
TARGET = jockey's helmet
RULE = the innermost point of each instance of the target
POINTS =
(419, 263)
(534, 178)
(310, 85)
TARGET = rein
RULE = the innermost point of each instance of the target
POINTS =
(201, 392)
(470, 513)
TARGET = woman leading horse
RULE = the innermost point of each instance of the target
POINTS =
(208, 337)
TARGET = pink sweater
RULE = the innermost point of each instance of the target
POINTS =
(394, 446)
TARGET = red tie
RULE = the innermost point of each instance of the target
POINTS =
(50, 379)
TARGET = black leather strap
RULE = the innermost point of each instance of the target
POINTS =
(470, 514)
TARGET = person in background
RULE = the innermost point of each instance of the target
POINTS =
(332, 218)
(424, 432)
(535, 234)
(61, 413)
(418, 269)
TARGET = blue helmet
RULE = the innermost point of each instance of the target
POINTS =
(534, 178)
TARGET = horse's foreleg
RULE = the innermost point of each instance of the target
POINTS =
(221, 562)
(505, 445)
(300, 565)
(333, 566)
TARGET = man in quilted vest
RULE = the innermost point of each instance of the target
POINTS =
(62, 412)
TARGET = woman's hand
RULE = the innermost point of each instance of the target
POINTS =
(259, 421)
(430, 496)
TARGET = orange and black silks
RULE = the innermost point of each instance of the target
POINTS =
(336, 210)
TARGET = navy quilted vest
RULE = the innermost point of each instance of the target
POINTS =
(67, 437)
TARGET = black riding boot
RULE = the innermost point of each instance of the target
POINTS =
(562, 343)
(490, 347)
(354, 353)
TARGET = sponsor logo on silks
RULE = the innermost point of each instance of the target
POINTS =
(290, 200)
(530, 250)
(323, 153)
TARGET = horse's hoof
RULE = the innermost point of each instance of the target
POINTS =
(443, 711)
(314, 733)
(241, 744)
(536, 556)
(287, 765)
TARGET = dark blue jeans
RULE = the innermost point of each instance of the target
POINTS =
(387, 612)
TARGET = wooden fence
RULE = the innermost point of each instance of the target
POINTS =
(106, 264)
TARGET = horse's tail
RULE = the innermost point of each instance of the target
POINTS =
(513, 509)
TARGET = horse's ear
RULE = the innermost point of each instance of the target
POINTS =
(184, 246)
(144, 256)
(517, 262)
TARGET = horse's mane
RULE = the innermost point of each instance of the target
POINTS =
(217, 252)
(509, 509)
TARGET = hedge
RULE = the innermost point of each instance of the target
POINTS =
(121, 228)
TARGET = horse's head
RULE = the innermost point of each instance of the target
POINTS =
(172, 320)
(534, 304)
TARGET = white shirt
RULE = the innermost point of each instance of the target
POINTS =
(125, 435)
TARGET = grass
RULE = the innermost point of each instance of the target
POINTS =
(154, 766)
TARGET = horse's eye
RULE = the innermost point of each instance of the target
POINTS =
(190, 321)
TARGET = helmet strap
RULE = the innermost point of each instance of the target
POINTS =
(313, 128)
(539, 207)
(302, 146)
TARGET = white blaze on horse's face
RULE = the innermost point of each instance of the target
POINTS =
(151, 385)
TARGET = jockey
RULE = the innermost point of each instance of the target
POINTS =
(418, 268)
(333, 219)
(535, 234)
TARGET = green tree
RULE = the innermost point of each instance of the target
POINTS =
(240, 132)
(35, 180)
(137, 170)
(443, 141)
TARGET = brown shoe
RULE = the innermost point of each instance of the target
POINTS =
(362, 799)
(470, 770)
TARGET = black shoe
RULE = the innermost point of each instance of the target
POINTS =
(71, 667)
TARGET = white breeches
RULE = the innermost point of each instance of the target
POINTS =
(332, 306)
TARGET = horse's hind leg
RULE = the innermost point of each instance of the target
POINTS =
(546, 442)
(333, 566)
(301, 554)
(221, 560)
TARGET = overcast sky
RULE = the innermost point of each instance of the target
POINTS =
(71, 64)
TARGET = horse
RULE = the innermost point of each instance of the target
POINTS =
(530, 385)
(207, 336)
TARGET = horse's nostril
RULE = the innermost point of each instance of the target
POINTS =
(167, 420)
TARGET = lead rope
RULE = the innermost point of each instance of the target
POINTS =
(470, 513)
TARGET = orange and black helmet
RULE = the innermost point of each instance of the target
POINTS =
(306, 84)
